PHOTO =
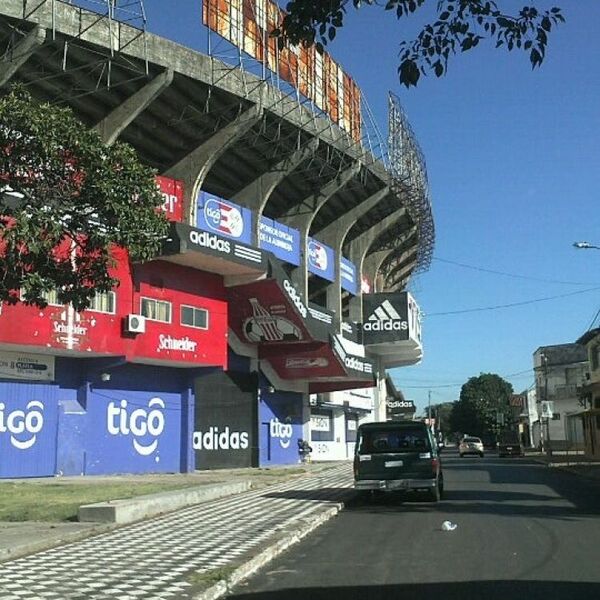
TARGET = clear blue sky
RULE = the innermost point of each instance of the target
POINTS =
(514, 168)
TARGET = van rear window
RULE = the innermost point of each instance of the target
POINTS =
(393, 440)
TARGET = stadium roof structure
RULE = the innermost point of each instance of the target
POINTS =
(177, 106)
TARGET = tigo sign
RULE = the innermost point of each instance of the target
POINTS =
(320, 259)
(224, 218)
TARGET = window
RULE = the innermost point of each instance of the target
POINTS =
(402, 439)
(156, 310)
(103, 302)
(194, 317)
(556, 416)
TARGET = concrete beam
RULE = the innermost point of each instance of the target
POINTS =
(257, 193)
(111, 127)
(20, 53)
(193, 168)
(302, 215)
(372, 264)
(405, 257)
(358, 249)
(335, 234)
(403, 276)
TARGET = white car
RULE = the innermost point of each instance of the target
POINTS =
(470, 445)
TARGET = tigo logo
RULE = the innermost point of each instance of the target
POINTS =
(223, 217)
(385, 318)
(22, 423)
(317, 255)
(281, 431)
(141, 422)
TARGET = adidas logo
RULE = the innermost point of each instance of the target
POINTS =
(385, 318)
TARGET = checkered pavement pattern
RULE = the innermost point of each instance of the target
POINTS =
(156, 559)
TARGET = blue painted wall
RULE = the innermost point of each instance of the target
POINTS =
(280, 426)
(28, 429)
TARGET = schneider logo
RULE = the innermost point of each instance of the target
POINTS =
(385, 318)
(139, 423)
(166, 342)
(22, 423)
(209, 240)
(213, 439)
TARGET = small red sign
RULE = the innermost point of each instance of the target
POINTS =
(172, 193)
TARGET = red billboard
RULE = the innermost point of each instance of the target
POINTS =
(172, 193)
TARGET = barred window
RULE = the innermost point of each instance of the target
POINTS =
(51, 297)
(156, 310)
(194, 317)
(104, 302)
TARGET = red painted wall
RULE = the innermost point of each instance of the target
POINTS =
(89, 332)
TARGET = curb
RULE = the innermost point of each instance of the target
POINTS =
(295, 533)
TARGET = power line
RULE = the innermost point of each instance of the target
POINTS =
(451, 385)
(511, 305)
(503, 273)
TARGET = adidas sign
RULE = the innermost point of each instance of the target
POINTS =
(385, 318)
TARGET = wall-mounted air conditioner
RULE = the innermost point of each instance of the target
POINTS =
(135, 324)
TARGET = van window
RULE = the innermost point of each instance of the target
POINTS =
(403, 439)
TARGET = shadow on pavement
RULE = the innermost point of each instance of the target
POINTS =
(474, 590)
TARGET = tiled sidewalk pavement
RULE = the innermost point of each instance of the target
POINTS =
(156, 559)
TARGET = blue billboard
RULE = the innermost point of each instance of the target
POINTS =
(133, 432)
(223, 217)
(348, 276)
(320, 259)
(281, 240)
(28, 429)
(280, 427)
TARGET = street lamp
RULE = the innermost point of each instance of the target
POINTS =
(585, 245)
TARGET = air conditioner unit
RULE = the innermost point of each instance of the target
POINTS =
(135, 324)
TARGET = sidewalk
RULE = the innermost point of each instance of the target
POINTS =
(575, 463)
(196, 553)
(22, 538)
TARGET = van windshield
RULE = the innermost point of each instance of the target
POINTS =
(393, 440)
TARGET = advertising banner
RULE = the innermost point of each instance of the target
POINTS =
(398, 409)
(19, 365)
(225, 433)
(281, 240)
(321, 425)
(28, 429)
(348, 276)
(133, 431)
(280, 427)
(172, 193)
(320, 259)
(390, 317)
(224, 218)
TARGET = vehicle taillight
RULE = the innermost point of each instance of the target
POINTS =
(435, 463)
(355, 466)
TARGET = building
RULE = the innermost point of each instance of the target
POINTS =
(560, 371)
(590, 392)
(283, 276)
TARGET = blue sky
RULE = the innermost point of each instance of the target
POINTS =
(513, 158)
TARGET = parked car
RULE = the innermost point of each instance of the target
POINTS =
(470, 445)
(509, 444)
(396, 456)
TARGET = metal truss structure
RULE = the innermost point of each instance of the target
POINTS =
(408, 180)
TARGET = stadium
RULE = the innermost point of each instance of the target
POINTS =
(279, 298)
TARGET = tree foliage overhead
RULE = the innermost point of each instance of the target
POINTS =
(482, 399)
(460, 26)
(65, 200)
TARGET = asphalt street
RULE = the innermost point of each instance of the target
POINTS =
(524, 531)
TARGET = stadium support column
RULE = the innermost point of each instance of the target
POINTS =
(256, 194)
(303, 214)
(380, 413)
(20, 53)
(335, 234)
(193, 168)
(111, 127)
(372, 264)
(358, 249)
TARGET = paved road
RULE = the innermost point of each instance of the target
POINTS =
(524, 532)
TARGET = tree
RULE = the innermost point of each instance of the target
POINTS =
(482, 400)
(460, 26)
(65, 200)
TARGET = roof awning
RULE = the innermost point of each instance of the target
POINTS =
(210, 252)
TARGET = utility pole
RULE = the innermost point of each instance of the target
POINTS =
(429, 407)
